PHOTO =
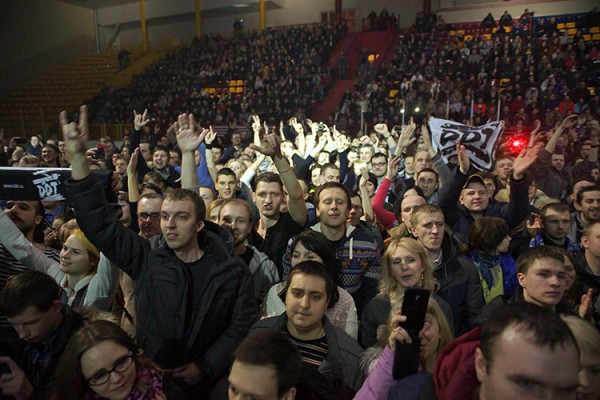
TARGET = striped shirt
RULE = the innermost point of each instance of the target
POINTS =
(313, 352)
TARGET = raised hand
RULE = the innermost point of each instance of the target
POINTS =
(188, 138)
(364, 173)
(464, 163)
(382, 129)
(75, 136)
(210, 136)
(407, 136)
(297, 126)
(568, 122)
(398, 333)
(270, 145)
(524, 161)
(255, 123)
(392, 168)
(140, 120)
(133, 160)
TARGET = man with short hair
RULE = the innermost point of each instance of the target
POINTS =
(588, 267)
(28, 216)
(458, 278)
(148, 215)
(310, 291)
(365, 152)
(160, 156)
(464, 198)
(330, 173)
(355, 218)
(275, 228)
(356, 249)
(195, 301)
(526, 352)
(148, 219)
(428, 181)
(587, 206)
(31, 302)
(541, 274)
(267, 366)
(556, 223)
(236, 216)
(549, 171)
(379, 163)
(226, 184)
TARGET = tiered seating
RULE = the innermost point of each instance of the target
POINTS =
(66, 88)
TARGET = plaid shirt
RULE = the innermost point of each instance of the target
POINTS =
(41, 358)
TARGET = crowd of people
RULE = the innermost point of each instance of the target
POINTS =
(530, 74)
(283, 69)
(281, 261)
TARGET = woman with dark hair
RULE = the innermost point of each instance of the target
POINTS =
(101, 361)
(314, 246)
(488, 245)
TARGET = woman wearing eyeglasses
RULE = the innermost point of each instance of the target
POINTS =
(102, 362)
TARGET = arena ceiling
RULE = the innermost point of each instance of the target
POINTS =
(210, 8)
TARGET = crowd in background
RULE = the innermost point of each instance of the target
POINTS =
(318, 231)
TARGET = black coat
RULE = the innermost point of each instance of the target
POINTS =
(171, 330)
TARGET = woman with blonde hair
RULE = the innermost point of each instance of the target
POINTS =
(86, 277)
(588, 341)
(404, 265)
(434, 336)
(101, 361)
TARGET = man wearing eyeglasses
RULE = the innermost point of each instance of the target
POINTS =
(148, 215)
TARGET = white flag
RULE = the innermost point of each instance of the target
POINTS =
(480, 142)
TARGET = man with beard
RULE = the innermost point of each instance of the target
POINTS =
(587, 206)
(236, 216)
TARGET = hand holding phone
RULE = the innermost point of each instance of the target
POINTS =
(414, 309)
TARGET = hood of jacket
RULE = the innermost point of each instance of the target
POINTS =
(454, 373)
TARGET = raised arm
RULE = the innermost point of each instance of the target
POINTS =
(95, 217)
(188, 139)
(132, 181)
(565, 124)
(385, 217)
(406, 138)
(271, 146)
(364, 196)
(24, 251)
(300, 138)
(210, 162)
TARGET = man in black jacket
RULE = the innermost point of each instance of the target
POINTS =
(457, 276)
(195, 301)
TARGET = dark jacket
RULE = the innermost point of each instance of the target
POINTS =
(343, 355)
(460, 219)
(40, 369)
(172, 177)
(460, 287)
(171, 330)
(588, 281)
(556, 184)
(378, 313)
